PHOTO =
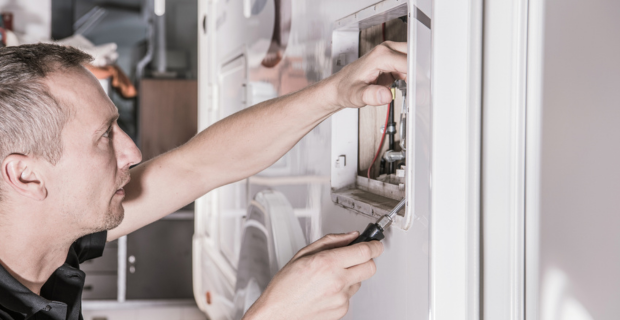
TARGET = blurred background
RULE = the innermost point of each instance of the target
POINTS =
(145, 54)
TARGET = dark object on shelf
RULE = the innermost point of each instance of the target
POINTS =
(7, 20)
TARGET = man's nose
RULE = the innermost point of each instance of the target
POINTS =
(129, 154)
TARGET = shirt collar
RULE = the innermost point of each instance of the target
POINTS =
(18, 298)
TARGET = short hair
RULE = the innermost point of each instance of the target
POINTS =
(31, 118)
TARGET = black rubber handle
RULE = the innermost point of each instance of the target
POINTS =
(372, 232)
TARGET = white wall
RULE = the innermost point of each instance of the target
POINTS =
(32, 18)
(579, 157)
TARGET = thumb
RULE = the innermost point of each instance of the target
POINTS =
(376, 95)
(329, 241)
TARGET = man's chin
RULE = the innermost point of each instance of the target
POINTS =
(114, 218)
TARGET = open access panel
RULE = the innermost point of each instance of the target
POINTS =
(381, 155)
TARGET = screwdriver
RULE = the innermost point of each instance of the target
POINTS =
(374, 231)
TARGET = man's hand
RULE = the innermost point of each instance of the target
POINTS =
(319, 281)
(366, 81)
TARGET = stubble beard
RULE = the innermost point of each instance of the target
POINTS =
(113, 218)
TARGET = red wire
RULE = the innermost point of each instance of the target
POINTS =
(383, 30)
(382, 138)
(387, 117)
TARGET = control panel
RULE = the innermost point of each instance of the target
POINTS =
(381, 154)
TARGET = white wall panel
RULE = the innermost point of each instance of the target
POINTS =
(578, 171)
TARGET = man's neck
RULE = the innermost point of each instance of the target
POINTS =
(31, 250)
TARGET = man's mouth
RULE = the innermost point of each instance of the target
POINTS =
(121, 191)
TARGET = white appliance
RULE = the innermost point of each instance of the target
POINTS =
(256, 50)
(511, 149)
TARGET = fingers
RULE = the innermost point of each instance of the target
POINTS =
(376, 95)
(366, 81)
(336, 313)
(390, 59)
(361, 272)
(399, 76)
(385, 79)
(353, 289)
(329, 241)
(357, 254)
(342, 309)
(396, 46)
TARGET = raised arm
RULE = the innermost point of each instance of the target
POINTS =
(249, 141)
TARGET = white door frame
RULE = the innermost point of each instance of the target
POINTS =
(455, 226)
(503, 159)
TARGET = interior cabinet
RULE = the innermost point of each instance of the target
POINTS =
(167, 115)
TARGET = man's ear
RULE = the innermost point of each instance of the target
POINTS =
(19, 172)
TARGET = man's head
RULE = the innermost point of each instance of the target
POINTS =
(64, 158)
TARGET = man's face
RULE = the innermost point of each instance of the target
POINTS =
(87, 182)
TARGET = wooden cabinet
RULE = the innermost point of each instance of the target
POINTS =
(168, 114)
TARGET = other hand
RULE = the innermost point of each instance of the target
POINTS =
(318, 281)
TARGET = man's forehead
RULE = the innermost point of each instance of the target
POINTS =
(80, 92)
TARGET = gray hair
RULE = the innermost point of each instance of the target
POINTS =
(31, 119)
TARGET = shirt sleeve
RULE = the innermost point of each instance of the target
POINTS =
(90, 246)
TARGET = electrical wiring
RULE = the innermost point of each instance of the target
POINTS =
(382, 138)
(387, 117)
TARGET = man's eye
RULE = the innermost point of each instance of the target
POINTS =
(108, 133)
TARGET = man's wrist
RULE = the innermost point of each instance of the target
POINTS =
(326, 94)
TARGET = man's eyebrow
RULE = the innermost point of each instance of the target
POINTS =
(107, 124)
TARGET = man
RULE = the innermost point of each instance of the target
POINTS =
(66, 188)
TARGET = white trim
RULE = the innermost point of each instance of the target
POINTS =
(503, 158)
(199, 299)
(122, 270)
(287, 180)
(457, 84)
(533, 152)
(517, 205)
(476, 17)
(134, 304)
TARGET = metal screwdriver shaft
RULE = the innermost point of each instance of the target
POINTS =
(374, 231)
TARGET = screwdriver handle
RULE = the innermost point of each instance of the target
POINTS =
(372, 232)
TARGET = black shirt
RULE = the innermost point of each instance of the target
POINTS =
(61, 295)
